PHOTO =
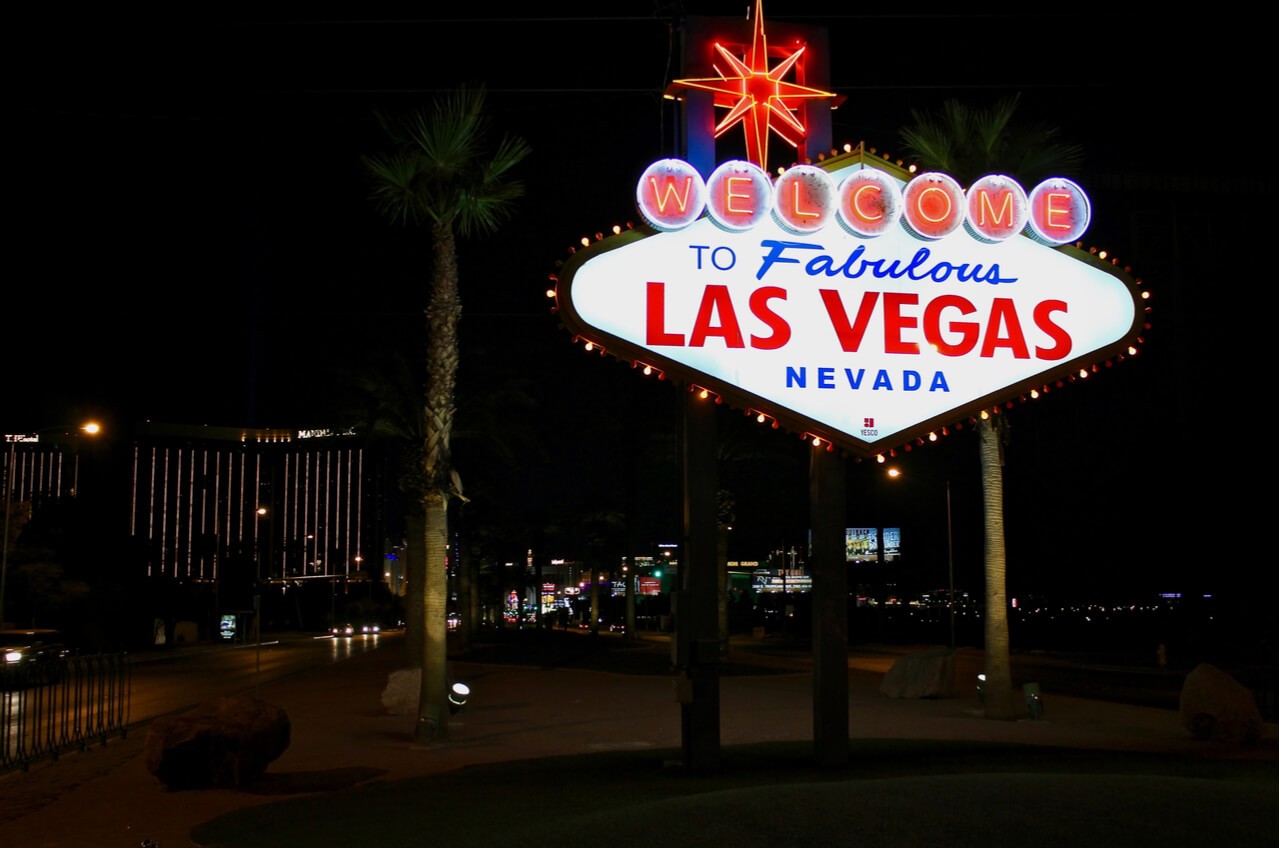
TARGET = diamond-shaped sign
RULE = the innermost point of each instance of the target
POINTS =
(866, 342)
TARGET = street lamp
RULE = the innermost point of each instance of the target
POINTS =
(260, 512)
(894, 474)
(92, 428)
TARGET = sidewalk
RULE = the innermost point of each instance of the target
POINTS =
(568, 756)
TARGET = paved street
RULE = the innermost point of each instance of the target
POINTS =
(564, 750)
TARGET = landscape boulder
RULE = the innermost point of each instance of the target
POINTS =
(924, 674)
(1215, 706)
(400, 697)
(226, 742)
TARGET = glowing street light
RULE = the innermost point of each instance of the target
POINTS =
(91, 428)
(260, 512)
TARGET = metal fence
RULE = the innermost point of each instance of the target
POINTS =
(68, 705)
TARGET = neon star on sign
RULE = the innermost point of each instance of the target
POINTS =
(757, 96)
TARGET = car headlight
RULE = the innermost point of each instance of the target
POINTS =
(13, 656)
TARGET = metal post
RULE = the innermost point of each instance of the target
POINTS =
(257, 638)
(830, 608)
(8, 507)
(257, 597)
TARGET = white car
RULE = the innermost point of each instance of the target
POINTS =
(370, 629)
(31, 657)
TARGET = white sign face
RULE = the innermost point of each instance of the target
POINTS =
(862, 341)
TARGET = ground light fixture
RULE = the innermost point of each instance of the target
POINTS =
(458, 694)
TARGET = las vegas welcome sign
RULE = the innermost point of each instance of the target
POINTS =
(850, 301)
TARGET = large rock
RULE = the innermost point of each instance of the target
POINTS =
(223, 743)
(401, 695)
(925, 674)
(1215, 706)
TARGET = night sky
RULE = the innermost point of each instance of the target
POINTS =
(194, 243)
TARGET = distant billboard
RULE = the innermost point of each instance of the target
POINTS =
(892, 542)
(861, 544)
(872, 544)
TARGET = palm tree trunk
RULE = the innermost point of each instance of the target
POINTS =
(998, 698)
(415, 573)
(443, 312)
(433, 715)
(420, 181)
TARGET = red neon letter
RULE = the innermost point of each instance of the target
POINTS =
(1057, 206)
(869, 203)
(1003, 315)
(655, 307)
(738, 188)
(1043, 317)
(996, 207)
(805, 199)
(968, 330)
(865, 213)
(985, 208)
(760, 308)
(934, 205)
(1059, 211)
(895, 322)
(796, 195)
(850, 335)
(668, 191)
(715, 301)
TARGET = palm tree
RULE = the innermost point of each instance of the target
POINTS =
(968, 143)
(998, 695)
(442, 173)
(383, 406)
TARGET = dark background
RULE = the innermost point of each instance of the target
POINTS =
(192, 241)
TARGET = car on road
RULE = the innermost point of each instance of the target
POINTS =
(31, 657)
(349, 629)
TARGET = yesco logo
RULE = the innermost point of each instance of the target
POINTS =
(866, 203)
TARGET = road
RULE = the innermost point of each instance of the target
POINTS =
(169, 681)
(110, 695)
(174, 679)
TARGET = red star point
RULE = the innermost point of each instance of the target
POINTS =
(757, 97)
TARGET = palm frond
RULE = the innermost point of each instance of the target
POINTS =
(443, 170)
(396, 180)
(967, 143)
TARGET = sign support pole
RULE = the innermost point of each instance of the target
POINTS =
(698, 618)
(830, 599)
